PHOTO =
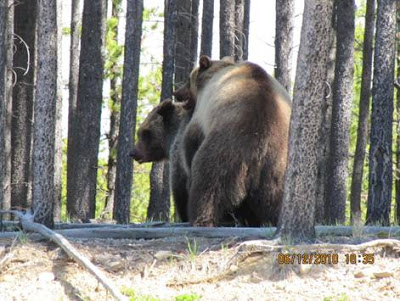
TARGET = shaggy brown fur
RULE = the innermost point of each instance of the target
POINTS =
(235, 144)
(159, 138)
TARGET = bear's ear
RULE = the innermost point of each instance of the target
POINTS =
(183, 93)
(204, 62)
(228, 59)
(166, 107)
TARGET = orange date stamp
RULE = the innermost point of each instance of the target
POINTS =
(325, 258)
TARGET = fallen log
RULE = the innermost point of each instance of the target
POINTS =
(28, 225)
(123, 232)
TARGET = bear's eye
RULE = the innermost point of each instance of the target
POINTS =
(146, 134)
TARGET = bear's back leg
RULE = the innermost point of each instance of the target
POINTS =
(265, 200)
(218, 182)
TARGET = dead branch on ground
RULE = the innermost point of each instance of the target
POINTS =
(29, 225)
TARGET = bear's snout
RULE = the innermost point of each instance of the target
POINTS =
(136, 155)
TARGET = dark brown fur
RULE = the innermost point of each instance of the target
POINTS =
(160, 138)
(236, 144)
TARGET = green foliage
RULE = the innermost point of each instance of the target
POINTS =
(134, 297)
(192, 248)
(66, 31)
(342, 297)
(191, 297)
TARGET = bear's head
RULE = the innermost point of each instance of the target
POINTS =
(154, 132)
(207, 68)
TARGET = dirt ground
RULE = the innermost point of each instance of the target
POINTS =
(166, 269)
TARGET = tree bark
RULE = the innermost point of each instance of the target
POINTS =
(3, 94)
(58, 126)
(380, 154)
(44, 110)
(341, 113)
(115, 116)
(159, 202)
(183, 38)
(22, 104)
(284, 26)
(227, 28)
(76, 17)
(207, 28)
(397, 171)
(194, 32)
(82, 163)
(322, 180)
(296, 221)
(6, 150)
(363, 115)
(124, 172)
(186, 39)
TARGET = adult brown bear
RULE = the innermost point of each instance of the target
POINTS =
(160, 138)
(235, 144)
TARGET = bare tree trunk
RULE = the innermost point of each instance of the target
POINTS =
(82, 176)
(186, 39)
(341, 113)
(194, 32)
(76, 16)
(296, 221)
(227, 28)
(6, 152)
(183, 57)
(397, 171)
(3, 94)
(159, 203)
(380, 153)
(284, 42)
(58, 124)
(115, 103)
(22, 106)
(124, 173)
(322, 180)
(207, 27)
(45, 109)
(363, 116)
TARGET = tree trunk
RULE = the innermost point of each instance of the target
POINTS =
(76, 16)
(6, 150)
(296, 221)
(159, 202)
(3, 95)
(397, 171)
(183, 57)
(114, 106)
(124, 172)
(58, 130)
(363, 115)
(44, 110)
(322, 180)
(82, 158)
(194, 32)
(227, 28)
(380, 153)
(186, 39)
(284, 42)
(341, 113)
(22, 104)
(207, 28)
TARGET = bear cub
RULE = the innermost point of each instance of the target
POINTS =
(160, 138)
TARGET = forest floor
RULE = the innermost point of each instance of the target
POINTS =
(178, 268)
